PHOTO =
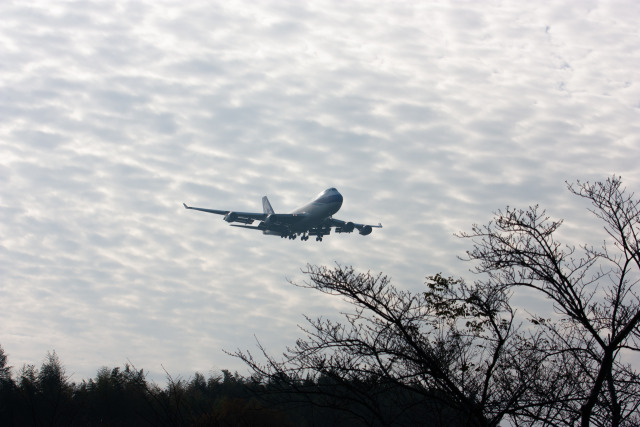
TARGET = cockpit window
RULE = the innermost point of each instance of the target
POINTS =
(327, 191)
(328, 194)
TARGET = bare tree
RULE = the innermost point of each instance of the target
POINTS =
(463, 346)
(452, 350)
(594, 292)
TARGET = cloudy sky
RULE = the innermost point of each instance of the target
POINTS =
(427, 116)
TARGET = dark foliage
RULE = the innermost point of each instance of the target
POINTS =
(123, 397)
(44, 396)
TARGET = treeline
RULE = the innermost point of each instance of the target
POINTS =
(124, 397)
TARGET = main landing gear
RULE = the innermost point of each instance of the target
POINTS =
(303, 237)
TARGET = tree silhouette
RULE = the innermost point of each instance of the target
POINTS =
(462, 345)
(45, 394)
(8, 395)
(594, 295)
(453, 349)
(123, 397)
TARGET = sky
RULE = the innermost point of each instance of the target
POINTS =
(426, 116)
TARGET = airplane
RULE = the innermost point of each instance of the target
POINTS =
(313, 219)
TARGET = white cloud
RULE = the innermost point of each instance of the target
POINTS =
(428, 117)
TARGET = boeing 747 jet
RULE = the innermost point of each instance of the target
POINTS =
(313, 219)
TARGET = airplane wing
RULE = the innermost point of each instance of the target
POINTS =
(268, 221)
(348, 226)
(279, 224)
(232, 216)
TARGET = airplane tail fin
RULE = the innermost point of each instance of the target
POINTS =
(266, 206)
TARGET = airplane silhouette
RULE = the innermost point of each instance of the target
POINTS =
(313, 219)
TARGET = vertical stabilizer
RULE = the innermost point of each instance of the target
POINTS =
(266, 206)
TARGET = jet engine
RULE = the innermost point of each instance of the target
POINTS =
(347, 227)
(230, 217)
(366, 230)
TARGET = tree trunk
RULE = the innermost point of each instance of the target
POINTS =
(605, 370)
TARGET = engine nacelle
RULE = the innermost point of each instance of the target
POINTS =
(230, 217)
(366, 230)
(348, 227)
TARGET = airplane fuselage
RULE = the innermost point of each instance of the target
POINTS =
(314, 213)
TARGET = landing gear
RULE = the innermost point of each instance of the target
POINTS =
(303, 236)
(288, 235)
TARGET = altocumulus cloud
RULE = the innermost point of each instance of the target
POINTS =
(426, 116)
